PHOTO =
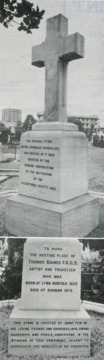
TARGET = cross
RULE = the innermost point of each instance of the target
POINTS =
(58, 49)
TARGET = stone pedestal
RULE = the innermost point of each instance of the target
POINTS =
(48, 320)
(53, 194)
(26, 216)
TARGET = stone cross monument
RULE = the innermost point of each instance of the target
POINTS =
(55, 53)
(53, 198)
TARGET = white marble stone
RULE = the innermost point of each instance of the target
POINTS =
(58, 49)
(53, 163)
(55, 126)
(51, 274)
(49, 333)
(32, 217)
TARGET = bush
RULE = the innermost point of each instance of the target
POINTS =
(92, 281)
(10, 286)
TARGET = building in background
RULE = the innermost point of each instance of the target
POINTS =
(88, 122)
(10, 118)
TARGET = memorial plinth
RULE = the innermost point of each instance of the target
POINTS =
(53, 194)
(48, 319)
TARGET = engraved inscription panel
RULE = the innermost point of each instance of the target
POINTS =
(43, 336)
(51, 274)
(39, 166)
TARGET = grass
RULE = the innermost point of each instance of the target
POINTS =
(99, 231)
(97, 337)
(96, 168)
(14, 164)
(10, 184)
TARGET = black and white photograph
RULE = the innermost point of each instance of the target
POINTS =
(51, 298)
(52, 179)
(52, 119)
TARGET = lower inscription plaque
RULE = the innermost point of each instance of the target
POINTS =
(42, 332)
(49, 320)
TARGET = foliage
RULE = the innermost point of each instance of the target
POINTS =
(18, 130)
(15, 246)
(10, 285)
(6, 252)
(11, 281)
(4, 132)
(22, 10)
(78, 123)
(89, 132)
(93, 244)
(92, 281)
(29, 121)
(98, 140)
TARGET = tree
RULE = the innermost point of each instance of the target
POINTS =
(11, 279)
(15, 246)
(93, 244)
(29, 121)
(92, 280)
(29, 17)
(4, 132)
(18, 130)
(78, 123)
(10, 286)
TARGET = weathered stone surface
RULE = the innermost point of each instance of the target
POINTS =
(53, 163)
(55, 53)
(51, 274)
(28, 217)
(44, 333)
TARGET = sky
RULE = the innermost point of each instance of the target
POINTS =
(22, 85)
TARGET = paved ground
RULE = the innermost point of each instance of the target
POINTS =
(9, 165)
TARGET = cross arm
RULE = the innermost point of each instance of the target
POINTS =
(71, 47)
(38, 55)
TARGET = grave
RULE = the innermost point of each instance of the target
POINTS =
(53, 198)
(49, 319)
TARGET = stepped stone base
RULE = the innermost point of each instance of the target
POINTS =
(26, 216)
(44, 333)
